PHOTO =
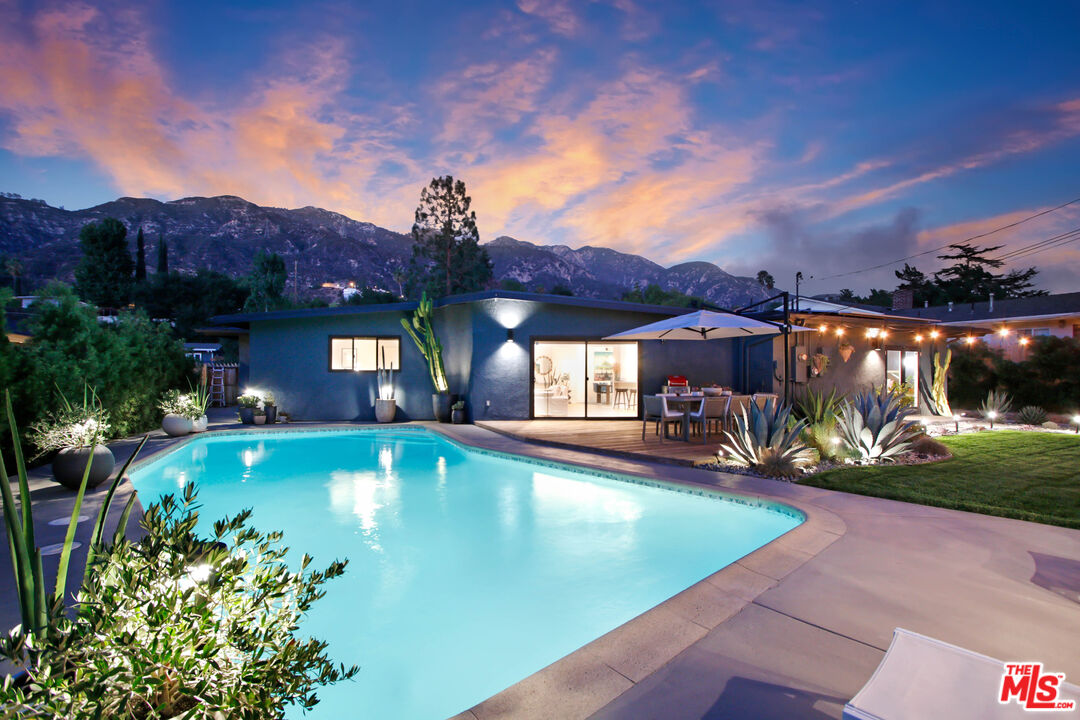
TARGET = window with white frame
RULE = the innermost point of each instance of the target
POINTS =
(364, 354)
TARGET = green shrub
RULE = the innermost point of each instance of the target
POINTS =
(1032, 415)
(180, 625)
(1049, 377)
(874, 427)
(765, 435)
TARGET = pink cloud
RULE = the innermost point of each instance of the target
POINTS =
(556, 13)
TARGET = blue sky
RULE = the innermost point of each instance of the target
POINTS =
(820, 137)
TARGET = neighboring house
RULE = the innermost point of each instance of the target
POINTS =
(202, 352)
(514, 355)
(1010, 325)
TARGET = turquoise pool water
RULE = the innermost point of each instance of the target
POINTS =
(467, 571)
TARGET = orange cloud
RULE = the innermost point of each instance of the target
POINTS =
(87, 85)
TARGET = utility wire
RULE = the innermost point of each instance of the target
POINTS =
(1037, 247)
(959, 242)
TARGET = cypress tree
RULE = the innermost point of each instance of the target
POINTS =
(140, 258)
(103, 275)
(162, 256)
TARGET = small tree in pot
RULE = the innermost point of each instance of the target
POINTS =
(269, 406)
(423, 334)
(457, 415)
(385, 405)
(181, 412)
(76, 433)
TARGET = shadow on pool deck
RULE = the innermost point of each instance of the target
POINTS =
(791, 631)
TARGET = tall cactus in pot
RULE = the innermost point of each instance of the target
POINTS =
(423, 334)
(938, 392)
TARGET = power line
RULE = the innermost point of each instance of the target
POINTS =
(959, 242)
(1037, 247)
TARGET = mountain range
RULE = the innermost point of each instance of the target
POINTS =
(319, 246)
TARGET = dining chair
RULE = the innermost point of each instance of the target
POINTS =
(656, 409)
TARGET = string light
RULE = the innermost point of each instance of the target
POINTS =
(872, 332)
(839, 332)
(823, 327)
(918, 338)
(1024, 341)
(969, 340)
(934, 334)
(1003, 331)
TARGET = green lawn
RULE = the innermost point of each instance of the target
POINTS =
(1025, 475)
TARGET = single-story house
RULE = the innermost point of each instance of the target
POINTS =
(516, 355)
(1010, 325)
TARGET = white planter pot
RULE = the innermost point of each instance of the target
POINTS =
(260, 419)
(385, 410)
(200, 425)
(176, 425)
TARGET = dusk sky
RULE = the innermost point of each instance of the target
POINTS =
(821, 137)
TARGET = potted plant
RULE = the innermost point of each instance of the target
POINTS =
(457, 415)
(423, 334)
(76, 433)
(200, 396)
(259, 416)
(248, 404)
(269, 404)
(181, 412)
(385, 404)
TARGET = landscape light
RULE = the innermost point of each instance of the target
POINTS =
(1076, 422)
(956, 419)
(990, 416)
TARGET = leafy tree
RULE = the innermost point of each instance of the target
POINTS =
(103, 275)
(266, 284)
(562, 290)
(14, 268)
(162, 255)
(881, 298)
(923, 291)
(655, 295)
(447, 258)
(766, 280)
(190, 300)
(971, 277)
(140, 258)
(512, 285)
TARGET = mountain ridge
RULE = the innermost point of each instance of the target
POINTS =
(223, 232)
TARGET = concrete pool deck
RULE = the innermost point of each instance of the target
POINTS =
(791, 630)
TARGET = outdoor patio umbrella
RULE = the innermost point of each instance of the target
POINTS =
(702, 325)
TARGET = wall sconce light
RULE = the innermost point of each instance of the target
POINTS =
(509, 335)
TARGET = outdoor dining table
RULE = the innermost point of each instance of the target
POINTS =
(687, 403)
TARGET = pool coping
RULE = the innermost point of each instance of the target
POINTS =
(592, 676)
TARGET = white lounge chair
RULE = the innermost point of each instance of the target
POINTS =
(920, 677)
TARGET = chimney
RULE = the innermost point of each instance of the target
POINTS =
(950, 306)
(903, 299)
(991, 302)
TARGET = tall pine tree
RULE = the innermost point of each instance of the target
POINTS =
(140, 258)
(162, 255)
(103, 275)
(266, 284)
(447, 258)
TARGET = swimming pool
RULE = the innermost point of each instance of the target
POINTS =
(468, 570)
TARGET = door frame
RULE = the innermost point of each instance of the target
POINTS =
(586, 339)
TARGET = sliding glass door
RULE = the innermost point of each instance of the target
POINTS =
(585, 379)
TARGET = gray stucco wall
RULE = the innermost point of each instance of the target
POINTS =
(290, 358)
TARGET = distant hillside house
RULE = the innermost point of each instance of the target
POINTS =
(516, 355)
(1010, 325)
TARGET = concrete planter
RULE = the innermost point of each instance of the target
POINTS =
(260, 419)
(440, 405)
(385, 410)
(176, 425)
(70, 463)
(200, 425)
(271, 414)
(457, 417)
(247, 415)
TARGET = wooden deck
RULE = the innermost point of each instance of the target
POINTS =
(611, 437)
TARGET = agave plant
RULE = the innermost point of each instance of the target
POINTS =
(996, 404)
(766, 435)
(873, 425)
(817, 406)
(1032, 415)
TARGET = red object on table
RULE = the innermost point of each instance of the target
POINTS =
(677, 380)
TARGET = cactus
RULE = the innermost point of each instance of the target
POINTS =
(423, 334)
(937, 392)
(385, 376)
(765, 439)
